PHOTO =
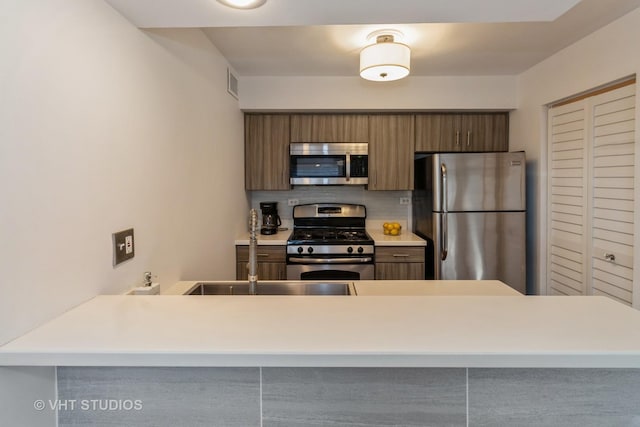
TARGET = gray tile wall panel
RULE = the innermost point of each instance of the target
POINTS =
(26, 394)
(363, 397)
(352, 397)
(554, 397)
(170, 396)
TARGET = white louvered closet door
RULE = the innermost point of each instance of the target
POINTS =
(568, 192)
(612, 194)
(591, 189)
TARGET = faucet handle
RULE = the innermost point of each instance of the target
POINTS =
(147, 278)
(253, 220)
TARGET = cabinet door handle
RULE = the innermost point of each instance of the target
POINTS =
(468, 138)
(457, 137)
(609, 257)
(263, 255)
(401, 255)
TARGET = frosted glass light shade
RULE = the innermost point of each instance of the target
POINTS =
(243, 4)
(385, 62)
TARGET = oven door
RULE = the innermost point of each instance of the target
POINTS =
(355, 271)
(330, 268)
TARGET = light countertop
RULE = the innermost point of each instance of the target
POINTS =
(278, 239)
(392, 331)
(433, 288)
(406, 238)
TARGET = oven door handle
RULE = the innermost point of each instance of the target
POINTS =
(298, 260)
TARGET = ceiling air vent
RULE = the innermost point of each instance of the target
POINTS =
(232, 83)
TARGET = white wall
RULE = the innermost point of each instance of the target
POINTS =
(105, 127)
(604, 56)
(354, 93)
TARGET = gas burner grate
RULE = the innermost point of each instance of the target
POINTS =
(321, 235)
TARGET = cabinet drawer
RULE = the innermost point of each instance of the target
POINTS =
(266, 271)
(265, 253)
(399, 254)
(400, 271)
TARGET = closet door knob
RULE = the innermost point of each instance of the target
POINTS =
(610, 257)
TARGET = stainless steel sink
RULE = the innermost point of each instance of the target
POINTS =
(271, 288)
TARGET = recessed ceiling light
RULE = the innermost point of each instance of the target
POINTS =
(243, 4)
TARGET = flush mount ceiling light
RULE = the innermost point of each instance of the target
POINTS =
(243, 4)
(385, 60)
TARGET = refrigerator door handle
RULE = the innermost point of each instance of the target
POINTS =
(443, 233)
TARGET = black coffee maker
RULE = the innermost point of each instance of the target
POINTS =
(270, 219)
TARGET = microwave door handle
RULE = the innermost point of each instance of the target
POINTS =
(348, 167)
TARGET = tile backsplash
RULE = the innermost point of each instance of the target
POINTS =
(381, 205)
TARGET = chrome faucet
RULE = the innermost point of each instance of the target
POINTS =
(253, 252)
(147, 278)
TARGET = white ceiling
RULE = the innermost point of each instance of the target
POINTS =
(324, 38)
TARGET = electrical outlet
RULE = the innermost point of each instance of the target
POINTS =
(123, 246)
(293, 202)
(405, 200)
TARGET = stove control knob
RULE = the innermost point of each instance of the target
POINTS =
(350, 249)
(310, 250)
(360, 250)
(300, 249)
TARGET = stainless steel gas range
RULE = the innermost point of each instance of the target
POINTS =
(329, 242)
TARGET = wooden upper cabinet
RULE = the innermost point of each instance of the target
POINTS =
(437, 133)
(487, 132)
(391, 148)
(470, 132)
(329, 128)
(266, 152)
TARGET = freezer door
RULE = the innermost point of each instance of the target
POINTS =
(466, 182)
(481, 246)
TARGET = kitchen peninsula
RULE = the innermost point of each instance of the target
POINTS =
(435, 353)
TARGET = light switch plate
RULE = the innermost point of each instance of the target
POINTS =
(123, 246)
(128, 244)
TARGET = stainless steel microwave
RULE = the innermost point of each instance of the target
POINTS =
(332, 163)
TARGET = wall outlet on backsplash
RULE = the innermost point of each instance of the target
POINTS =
(293, 202)
(405, 200)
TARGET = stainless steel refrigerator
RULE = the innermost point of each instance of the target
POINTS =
(471, 209)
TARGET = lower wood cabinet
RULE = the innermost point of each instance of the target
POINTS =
(272, 262)
(400, 262)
